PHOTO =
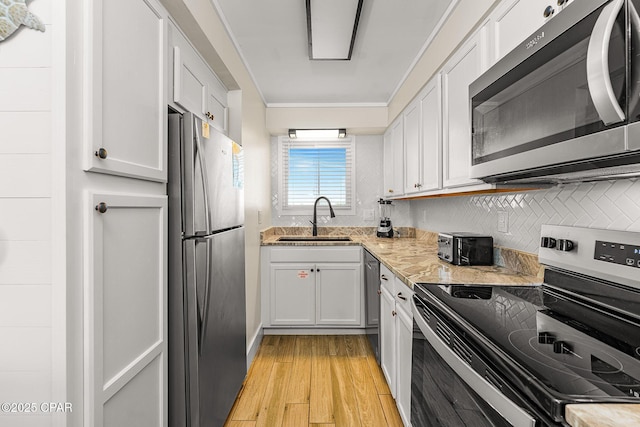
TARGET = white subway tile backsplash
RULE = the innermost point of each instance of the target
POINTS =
(606, 204)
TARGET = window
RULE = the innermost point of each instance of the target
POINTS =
(309, 169)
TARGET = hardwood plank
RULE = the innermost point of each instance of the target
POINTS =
(369, 405)
(345, 406)
(378, 376)
(355, 345)
(285, 348)
(320, 401)
(390, 410)
(272, 406)
(300, 382)
(322, 425)
(333, 344)
(295, 415)
(248, 403)
(232, 423)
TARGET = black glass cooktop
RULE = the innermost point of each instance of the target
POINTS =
(556, 345)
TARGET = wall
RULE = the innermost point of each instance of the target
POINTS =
(27, 288)
(605, 204)
(368, 190)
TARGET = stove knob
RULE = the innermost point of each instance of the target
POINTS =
(546, 338)
(565, 245)
(548, 242)
(561, 347)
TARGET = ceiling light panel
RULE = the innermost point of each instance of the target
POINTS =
(331, 27)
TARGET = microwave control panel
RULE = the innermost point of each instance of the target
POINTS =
(617, 253)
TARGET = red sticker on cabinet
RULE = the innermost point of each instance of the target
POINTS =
(302, 274)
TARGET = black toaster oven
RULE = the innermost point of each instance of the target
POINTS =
(465, 248)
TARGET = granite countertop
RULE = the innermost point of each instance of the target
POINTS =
(413, 259)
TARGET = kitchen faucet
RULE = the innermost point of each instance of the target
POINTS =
(315, 209)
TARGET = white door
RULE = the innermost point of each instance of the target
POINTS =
(388, 338)
(404, 330)
(292, 299)
(125, 311)
(431, 135)
(461, 70)
(125, 100)
(397, 146)
(412, 164)
(338, 294)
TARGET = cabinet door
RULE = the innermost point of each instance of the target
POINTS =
(461, 70)
(412, 163)
(404, 331)
(292, 294)
(515, 20)
(339, 293)
(190, 88)
(125, 100)
(394, 160)
(125, 330)
(216, 112)
(388, 338)
(431, 135)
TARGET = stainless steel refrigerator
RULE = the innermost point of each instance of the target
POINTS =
(207, 334)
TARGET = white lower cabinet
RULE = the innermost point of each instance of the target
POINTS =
(396, 335)
(320, 286)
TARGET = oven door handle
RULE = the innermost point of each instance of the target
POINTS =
(598, 78)
(514, 414)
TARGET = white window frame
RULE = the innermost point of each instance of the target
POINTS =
(339, 211)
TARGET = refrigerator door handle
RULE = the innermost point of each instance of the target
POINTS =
(203, 171)
(207, 294)
(191, 316)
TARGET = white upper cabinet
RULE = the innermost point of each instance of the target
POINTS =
(459, 72)
(431, 135)
(394, 160)
(193, 86)
(125, 101)
(413, 166)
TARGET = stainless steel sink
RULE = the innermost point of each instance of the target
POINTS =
(314, 239)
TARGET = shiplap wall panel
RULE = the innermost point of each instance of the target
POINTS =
(26, 301)
(25, 175)
(22, 219)
(25, 132)
(25, 89)
(25, 263)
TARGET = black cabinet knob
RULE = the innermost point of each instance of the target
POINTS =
(548, 242)
(565, 245)
(548, 11)
(561, 2)
(101, 153)
(102, 207)
(546, 338)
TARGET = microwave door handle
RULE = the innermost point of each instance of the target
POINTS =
(635, 67)
(598, 78)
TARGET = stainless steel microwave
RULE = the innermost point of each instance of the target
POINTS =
(564, 104)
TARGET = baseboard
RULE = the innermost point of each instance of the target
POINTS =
(254, 345)
(314, 331)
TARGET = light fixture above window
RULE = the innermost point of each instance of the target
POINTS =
(331, 28)
(317, 133)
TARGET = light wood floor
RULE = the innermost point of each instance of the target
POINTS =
(315, 381)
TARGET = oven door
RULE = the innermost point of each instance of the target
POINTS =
(560, 98)
(445, 389)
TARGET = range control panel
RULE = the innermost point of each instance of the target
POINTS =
(617, 253)
(611, 255)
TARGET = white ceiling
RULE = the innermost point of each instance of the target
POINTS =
(271, 36)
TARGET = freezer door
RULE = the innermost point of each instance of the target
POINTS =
(223, 160)
(195, 196)
(222, 360)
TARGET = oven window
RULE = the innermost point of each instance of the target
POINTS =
(439, 397)
(545, 99)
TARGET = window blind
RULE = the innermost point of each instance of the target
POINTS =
(313, 169)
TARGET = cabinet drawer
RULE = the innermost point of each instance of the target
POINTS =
(402, 295)
(387, 279)
(317, 254)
